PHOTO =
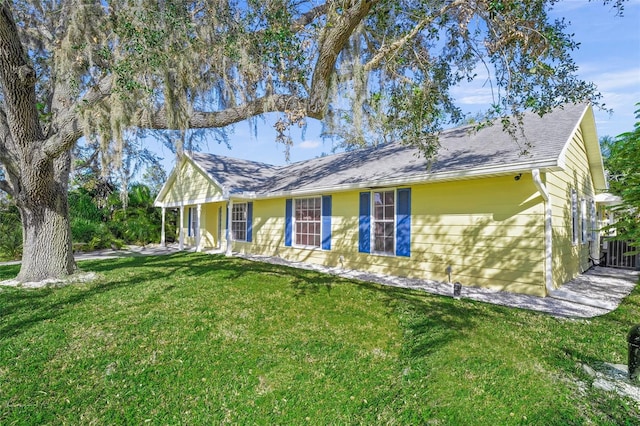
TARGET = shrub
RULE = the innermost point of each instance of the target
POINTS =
(141, 230)
(10, 231)
(83, 230)
(11, 241)
(82, 205)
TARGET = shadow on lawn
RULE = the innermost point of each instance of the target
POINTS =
(433, 321)
(50, 303)
(43, 304)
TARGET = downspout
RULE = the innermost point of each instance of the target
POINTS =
(548, 270)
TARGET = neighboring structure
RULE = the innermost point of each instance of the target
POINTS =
(485, 213)
(615, 253)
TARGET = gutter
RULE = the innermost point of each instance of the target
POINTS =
(502, 170)
(542, 189)
(383, 182)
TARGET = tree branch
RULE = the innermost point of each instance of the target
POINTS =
(67, 123)
(7, 154)
(6, 187)
(89, 162)
(309, 17)
(5, 133)
(337, 33)
(386, 50)
(201, 120)
(6, 184)
(17, 80)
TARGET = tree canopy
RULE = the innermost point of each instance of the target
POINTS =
(99, 68)
(372, 70)
(622, 161)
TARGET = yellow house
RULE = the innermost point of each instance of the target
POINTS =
(514, 212)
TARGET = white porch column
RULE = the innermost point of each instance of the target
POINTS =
(163, 241)
(181, 228)
(197, 230)
(229, 233)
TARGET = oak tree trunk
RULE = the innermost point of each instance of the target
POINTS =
(46, 232)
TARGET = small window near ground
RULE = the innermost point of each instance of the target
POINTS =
(307, 221)
(239, 222)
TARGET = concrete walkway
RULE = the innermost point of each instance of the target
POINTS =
(127, 251)
(596, 292)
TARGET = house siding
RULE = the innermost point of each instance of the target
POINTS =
(268, 229)
(210, 236)
(489, 231)
(191, 186)
(570, 259)
(209, 227)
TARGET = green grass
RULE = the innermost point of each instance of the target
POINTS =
(199, 339)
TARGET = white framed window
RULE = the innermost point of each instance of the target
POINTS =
(574, 217)
(307, 221)
(383, 218)
(239, 222)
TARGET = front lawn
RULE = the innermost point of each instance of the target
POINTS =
(201, 339)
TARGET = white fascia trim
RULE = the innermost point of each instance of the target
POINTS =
(548, 229)
(565, 148)
(181, 203)
(592, 152)
(594, 155)
(547, 165)
(243, 196)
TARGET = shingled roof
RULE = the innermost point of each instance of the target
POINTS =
(464, 152)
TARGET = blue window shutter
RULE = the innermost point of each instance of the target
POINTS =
(364, 229)
(288, 210)
(249, 221)
(189, 221)
(403, 223)
(326, 222)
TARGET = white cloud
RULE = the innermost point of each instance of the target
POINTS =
(309, 144)
(613, 81)
(478, 97)
(476, 92)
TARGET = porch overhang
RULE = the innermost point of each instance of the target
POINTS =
(608, 199)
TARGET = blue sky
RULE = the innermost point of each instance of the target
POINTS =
(609, 56)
